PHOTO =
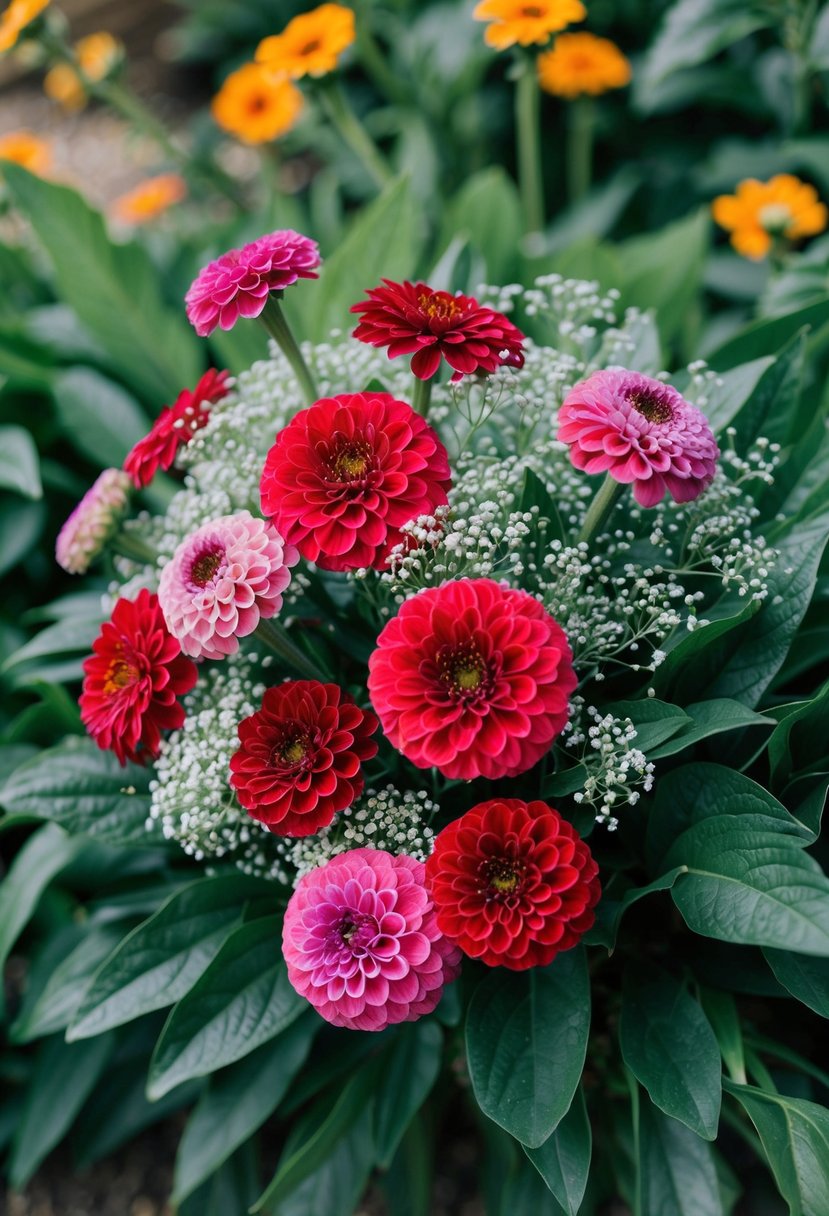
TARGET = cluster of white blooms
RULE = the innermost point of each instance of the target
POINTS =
(617, 772)
(391, 819)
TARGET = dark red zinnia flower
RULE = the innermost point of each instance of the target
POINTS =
(299, 756)
(174, 427)
(414, 319)
(473, 677)
(133, 680)
(513, 883)
(345, 475)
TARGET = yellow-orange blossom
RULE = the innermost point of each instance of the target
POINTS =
(580, 64)
(149, 199)
(517, 21)
(97, 55)
(15, 18)
(255, 107)
(27, 149)
(760, 211)
(310, 45)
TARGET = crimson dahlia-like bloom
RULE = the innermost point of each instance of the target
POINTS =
(133, 679)
(345, 475)
(92, 523)
(174, 427)
(239, 282)
(472, 677)
(362, 944)
(299, 756)
(413, 319)
(221, 581)
(513, 883)
(642, 431)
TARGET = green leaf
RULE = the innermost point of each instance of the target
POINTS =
(43, 856)
(99, 418)
(526, 1040)
(534, 493)
(795, 1136)
(655, 721)
(678, 1174)
(19, 463)
(663, 270)
(611, 910)
(160, 960)
(770, 408)
(63, 1078)
(728, 395)
(669, 1046)
(709, 718)
(83, 789)
(114, 289)
(563, 1160)
(409, 1069)
(237, 1102)
(51, 1005)
(765, 336)
(335, 1185)
(487, 212)
(806, 978)
(241, 1001)
(721, 1011)
(21, 524)
(72, 635)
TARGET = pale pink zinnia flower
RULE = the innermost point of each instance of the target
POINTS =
(95, 518)
(361, 941)
(639, 430)
(221, 581)
(239, 282)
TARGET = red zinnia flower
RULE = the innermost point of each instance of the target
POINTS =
(346, 474)
(513, 883)
(174, 427)
(133, 680)
(299, 757)
(413, 319)
(472, 677)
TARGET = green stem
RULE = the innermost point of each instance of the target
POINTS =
(528, 138)
(352, 131)
(126, 544)
(273, 318)
(581, 127)
(422, 395)
(276, 638)
(375, 62)
(600, 507)
(633, 1090)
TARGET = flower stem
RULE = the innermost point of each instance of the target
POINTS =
(273, 318)
(126, 544)
(528, 138)
(275, 637)
(352, 131)
(600, 507)
(581, 128)
(374, 61)
(422, 396)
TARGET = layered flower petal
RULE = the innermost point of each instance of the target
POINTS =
(174, 427)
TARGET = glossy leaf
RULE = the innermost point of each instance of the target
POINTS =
(19, 463)
(563, 1160)
(409, 1069)
(678, 1175)
(805, 977)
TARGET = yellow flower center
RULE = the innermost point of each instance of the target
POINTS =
(502, 876)
(352, 462)
(775, 217)
(440, 306)
(467, 678)
(120, 674)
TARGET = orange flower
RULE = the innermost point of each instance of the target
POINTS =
(310, 44)
(255, 107)
(15, 18)
(582, 63)
(759, 212)
(516, 21)
(97, 56)
(149, 199)
(26, 149)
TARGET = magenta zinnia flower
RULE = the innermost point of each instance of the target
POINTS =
(361, 941)
(473, 678)
(221, 581)
(87, 530)
(639, 430)
(239, 282)
(414, 319)
(174, 427)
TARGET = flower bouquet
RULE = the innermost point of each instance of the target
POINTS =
(464, 665)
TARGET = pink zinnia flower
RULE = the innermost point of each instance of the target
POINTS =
(221, 581)
(345, 475)
(362, 944)
(174, 427)
(94, 520)
(239, 282)
(513, 883)
(300, 756)
(639, 430)
(133, 681)
(414, 319)
(472, 677)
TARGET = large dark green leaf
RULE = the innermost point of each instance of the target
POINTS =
(241, 1001)
(805, 977)
(336, 1182)
(159, 962)
(663, 271)
(669, 1046)
(19, 463)
(100, 419)
(409, 1069)
(65, 971)
(655, 721)
(237, 1102)
(678, 1175)
(487, 212)
(114, 289)
(526, 1040)
(767, 335)
(83, 789)
(709, 718)
(563, 1160)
